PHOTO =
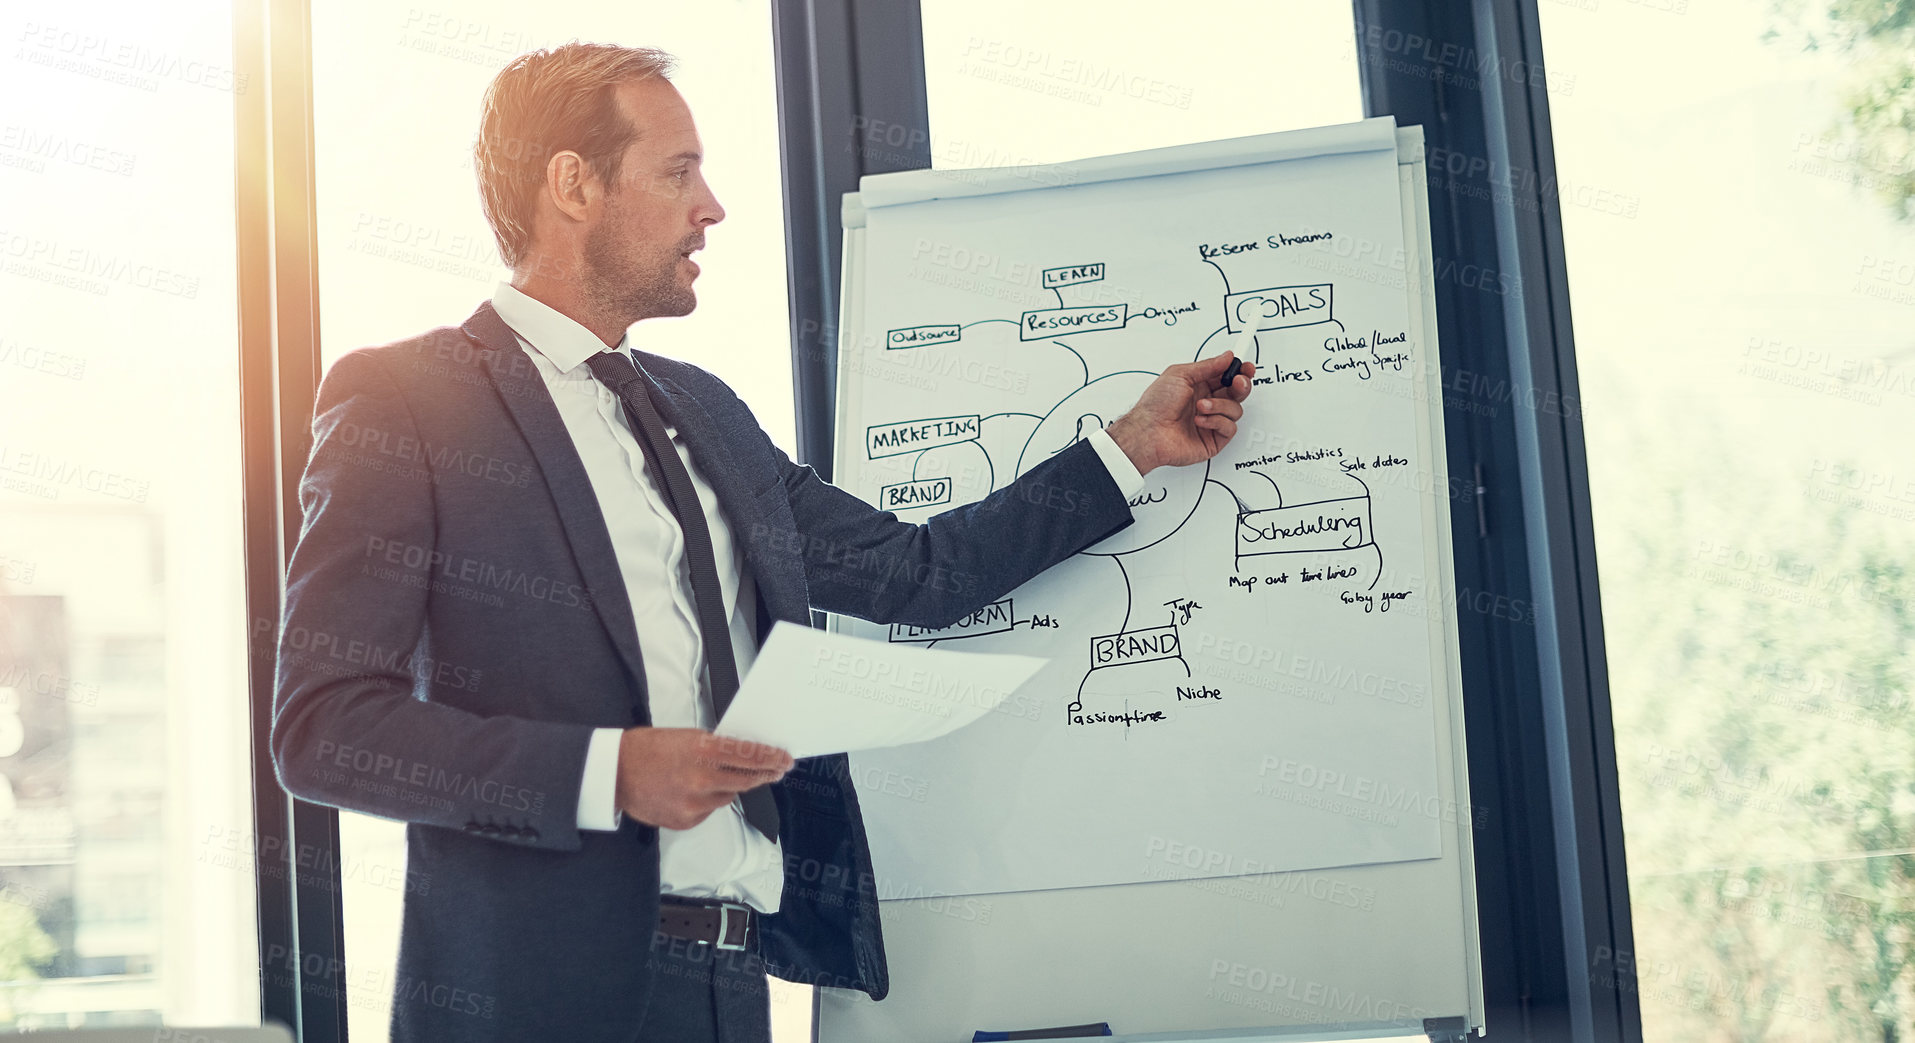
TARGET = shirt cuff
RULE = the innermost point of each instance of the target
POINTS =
(598, 790)
(1122, 471)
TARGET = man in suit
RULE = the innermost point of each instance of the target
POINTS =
(534, 564)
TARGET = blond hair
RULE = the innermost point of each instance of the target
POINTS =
(543, 103)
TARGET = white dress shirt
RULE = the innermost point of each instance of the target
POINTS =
(723, 856)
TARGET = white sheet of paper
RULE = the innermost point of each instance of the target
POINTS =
(811, 692)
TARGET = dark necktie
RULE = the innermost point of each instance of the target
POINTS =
(616, 370)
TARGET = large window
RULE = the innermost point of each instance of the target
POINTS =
(1737, 193)
(1012, 83)
(1744, 296)
(126, 843)
(404, 247)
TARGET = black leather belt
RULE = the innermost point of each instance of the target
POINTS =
(722, 925)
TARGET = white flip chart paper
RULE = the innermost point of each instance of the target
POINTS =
(1241, 681)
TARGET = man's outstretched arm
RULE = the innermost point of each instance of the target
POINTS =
(867, 563)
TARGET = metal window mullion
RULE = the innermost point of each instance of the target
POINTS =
(1536, 697)
(279, 990)
(301, 925)
(1564, 545)
(844, 68)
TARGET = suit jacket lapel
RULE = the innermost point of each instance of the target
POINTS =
(530, 403)
(716, 460)
(728, 476)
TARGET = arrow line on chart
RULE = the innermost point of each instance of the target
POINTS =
(1333, 499)
(1078, 434)
(981, 322)
(1233, 493)
(1212, 335)
(1256, 346)
(1060, 297)
(1236, 559)
(1119, 562)
(1220, 274)
(988, 461)
(1372, 535)
(1273, 484)
(1080, 358)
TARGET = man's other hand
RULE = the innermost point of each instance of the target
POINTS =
(1185, 416)
(675, 777)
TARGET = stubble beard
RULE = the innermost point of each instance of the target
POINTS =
(629, 288)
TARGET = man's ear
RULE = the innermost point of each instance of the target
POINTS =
(569, 184)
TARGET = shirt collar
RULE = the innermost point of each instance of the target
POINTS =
(551, 333)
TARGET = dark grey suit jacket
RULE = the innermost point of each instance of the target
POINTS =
(456, 626)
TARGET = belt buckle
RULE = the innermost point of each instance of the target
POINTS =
(725, 910)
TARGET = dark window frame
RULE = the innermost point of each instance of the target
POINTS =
(300, 913)
(1552, 884)
(849, 73)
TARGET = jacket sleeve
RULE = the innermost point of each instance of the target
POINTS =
(347, 728)
(866, 562)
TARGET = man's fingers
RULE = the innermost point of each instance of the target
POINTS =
(751, 756)
(740, 780)
(676, 777)
(1222, 425)
(1220, 406)
(732, 776)
(1214, 366)
(687, 811)
(1208, 373)
(1204, 374)
(702, 810)
(1239, 388)
(719, 796)
(742, 748)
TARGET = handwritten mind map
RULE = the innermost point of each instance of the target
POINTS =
(1259, 605)
(1324, 539)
